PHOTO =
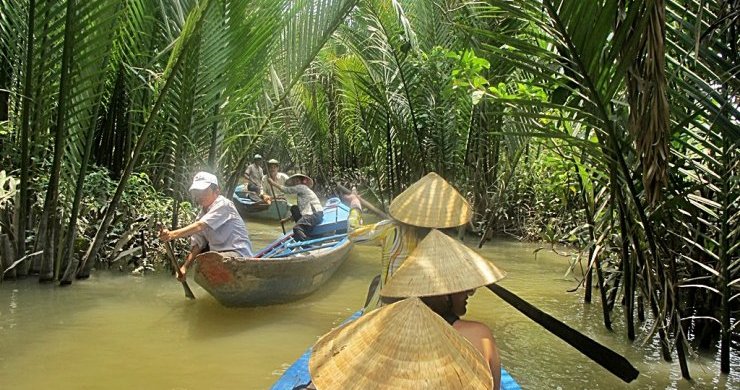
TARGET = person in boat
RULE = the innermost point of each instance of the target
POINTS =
(381, 350)
(430, 202)
(273, 171)
(218, 227)
(444, 273)
(309, 205)
(254, 174)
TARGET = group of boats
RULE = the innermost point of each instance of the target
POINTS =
(284, 271)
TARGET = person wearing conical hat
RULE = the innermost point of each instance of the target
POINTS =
(402, 346)
(309, 205)
(444, 273)
(430, 202)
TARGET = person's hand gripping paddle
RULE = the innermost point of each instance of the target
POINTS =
(173, 262)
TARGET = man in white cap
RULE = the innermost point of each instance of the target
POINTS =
(254, 174)
(218, 228)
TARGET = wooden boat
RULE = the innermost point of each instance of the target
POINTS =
(284, 271)
(297, 374)
(250, 205)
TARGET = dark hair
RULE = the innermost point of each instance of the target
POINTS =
(439, 305)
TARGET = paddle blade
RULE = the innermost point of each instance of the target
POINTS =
(603, 356)
(188, 292)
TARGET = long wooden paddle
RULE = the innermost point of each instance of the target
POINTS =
(272, 193)
(371, 290)
(605, 357)
(173, 262)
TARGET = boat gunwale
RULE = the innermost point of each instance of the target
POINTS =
(288, 259)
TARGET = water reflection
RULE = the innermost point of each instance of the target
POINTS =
(119, 331)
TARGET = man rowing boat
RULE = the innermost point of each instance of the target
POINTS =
(273, 172)
(218, 228)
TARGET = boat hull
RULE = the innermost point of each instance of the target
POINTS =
(251, 207)
(238, 282)
(275, 211)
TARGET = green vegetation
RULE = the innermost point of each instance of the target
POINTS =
(612, 126)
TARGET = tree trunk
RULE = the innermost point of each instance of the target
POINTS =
(23, 206)
(7, 257)
(52, 191)
(68, 248)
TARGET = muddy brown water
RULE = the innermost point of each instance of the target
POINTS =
(118, 331)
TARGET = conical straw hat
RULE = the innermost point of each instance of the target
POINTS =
(431, 202)
(440, 265)
(404, 345)
(293, 180)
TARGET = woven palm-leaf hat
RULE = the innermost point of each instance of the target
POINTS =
(404, 345)
(431, 202)
(293, 180)
(440, 265)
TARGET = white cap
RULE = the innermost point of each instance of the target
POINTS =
(203, 180)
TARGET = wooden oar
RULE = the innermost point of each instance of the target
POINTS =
(371, 290)
(272, 192)
(605, 357)
(173, 262)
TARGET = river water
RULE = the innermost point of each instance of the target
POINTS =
(118, 331)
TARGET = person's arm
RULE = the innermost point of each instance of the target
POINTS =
(494, 360)
(278, 186)
(195, 250)
(371, 232)
(482, 339)
(169, 235)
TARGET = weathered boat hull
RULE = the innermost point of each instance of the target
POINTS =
(239, 282)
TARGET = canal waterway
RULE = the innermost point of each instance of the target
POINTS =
(119, 331)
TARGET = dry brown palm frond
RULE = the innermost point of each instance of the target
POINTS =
(649, 111)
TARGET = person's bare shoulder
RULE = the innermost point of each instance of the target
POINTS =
(473, 328)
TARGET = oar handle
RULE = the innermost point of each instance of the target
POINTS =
(173, 263)
(274, 198)
(603, 356)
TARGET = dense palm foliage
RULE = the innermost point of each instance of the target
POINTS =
(611, 125)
